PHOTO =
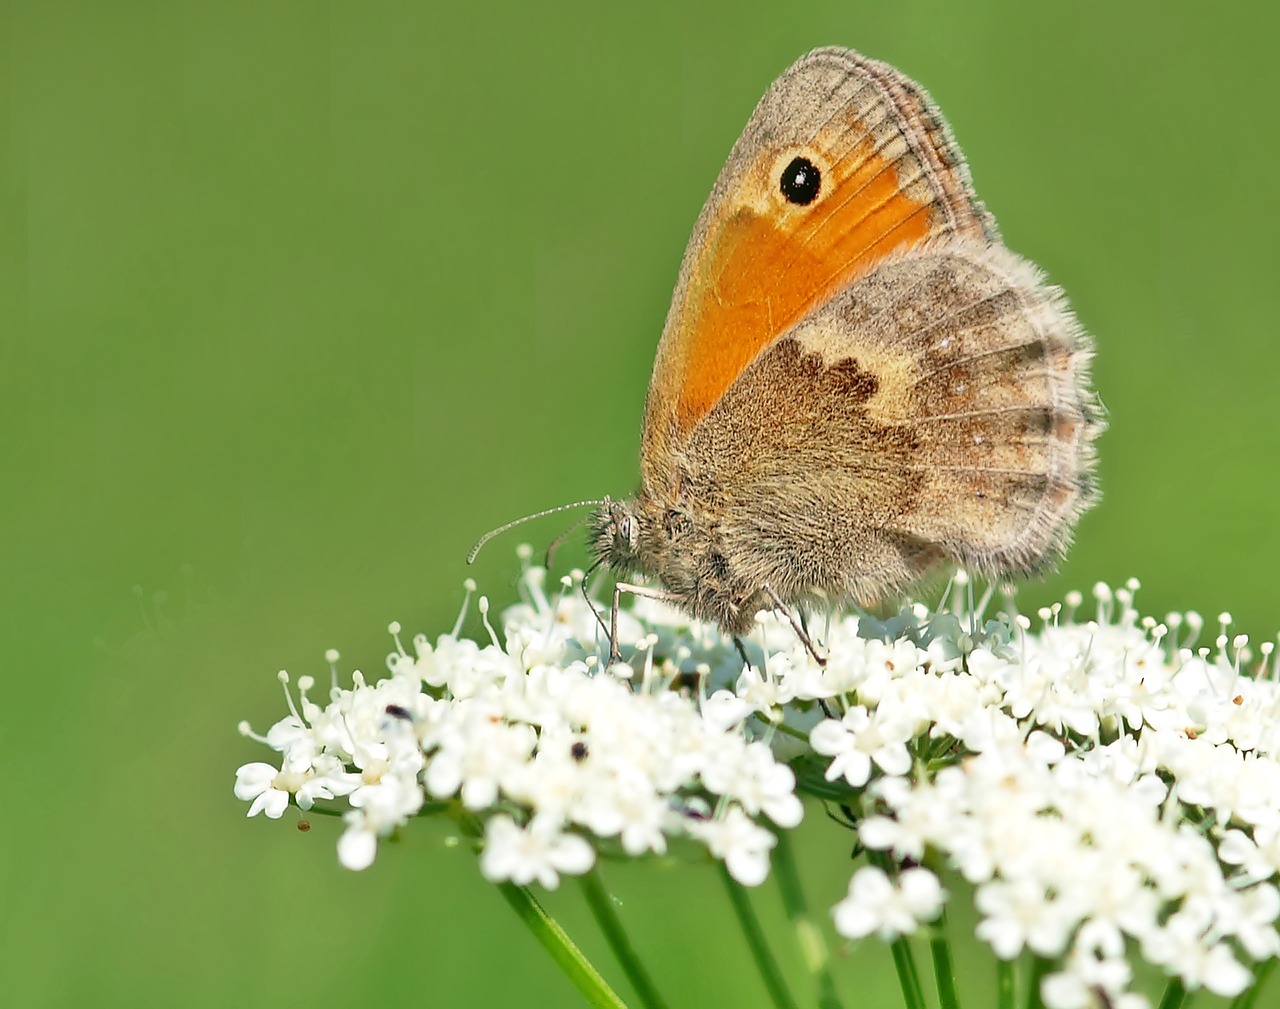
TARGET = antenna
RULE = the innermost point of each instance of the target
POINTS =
(527, 518)
(558, 542)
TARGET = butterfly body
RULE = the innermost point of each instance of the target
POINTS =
(857, 382)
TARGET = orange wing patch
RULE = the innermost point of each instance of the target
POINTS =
(758, 262)
(762, 272)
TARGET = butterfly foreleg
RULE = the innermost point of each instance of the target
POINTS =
(636, 590)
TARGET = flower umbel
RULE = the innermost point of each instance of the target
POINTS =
(1105, 789)
(536, 738)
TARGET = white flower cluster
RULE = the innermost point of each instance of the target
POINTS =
(1107, 790)
(1102, 787)
(534, 740)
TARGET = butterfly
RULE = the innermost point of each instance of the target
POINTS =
(857, 384)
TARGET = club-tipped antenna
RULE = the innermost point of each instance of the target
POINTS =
(520, 521)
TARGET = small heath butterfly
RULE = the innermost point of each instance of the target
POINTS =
(857, 383)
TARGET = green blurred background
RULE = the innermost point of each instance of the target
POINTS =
(296, 299)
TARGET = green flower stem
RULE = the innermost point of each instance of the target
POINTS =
(1248, 998)
(770, 972)
(1174, 995)
(1039, 968)
(903, 959)
(1005, 988)
(784, 728)
(905, 962)
(555, 940)
(602, 908)
(564, 951)
(944, 970)
(813, 945)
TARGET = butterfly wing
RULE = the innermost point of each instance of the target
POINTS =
(890, 177)
(936, 408)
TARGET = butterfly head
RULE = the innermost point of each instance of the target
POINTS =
(616, 535)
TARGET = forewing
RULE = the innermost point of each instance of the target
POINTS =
(891, 178)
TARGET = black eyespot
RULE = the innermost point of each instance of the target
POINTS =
(396, 711)
(578, 750)
(800, 181)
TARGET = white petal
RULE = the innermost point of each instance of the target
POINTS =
(894, 759)
(273, 802)
(922, 893)
(573, 855)
(253, 779)
(356, 848)
(830, 737)
(750, 868)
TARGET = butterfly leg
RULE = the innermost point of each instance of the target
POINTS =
(635, 590)
(796, 625)
(822, 702)
(586, 594)
(611, 627)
